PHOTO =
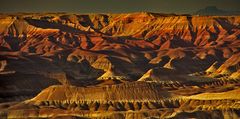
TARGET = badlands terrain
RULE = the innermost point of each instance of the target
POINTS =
(136, 65)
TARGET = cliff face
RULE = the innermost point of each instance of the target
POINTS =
(126, 38)
(87, 31)
(164, 55)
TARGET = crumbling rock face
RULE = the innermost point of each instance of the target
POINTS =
(136, 91)
(3, 65)
(109, 100)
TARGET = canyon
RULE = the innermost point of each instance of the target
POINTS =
(131, 65)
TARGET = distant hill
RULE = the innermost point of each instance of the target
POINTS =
(213, 10)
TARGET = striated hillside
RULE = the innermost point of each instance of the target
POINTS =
(88, 65)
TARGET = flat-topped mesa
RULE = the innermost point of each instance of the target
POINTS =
(161, 31)
(139, 91)
(18, 27)
(228, 95)
(195, 30)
